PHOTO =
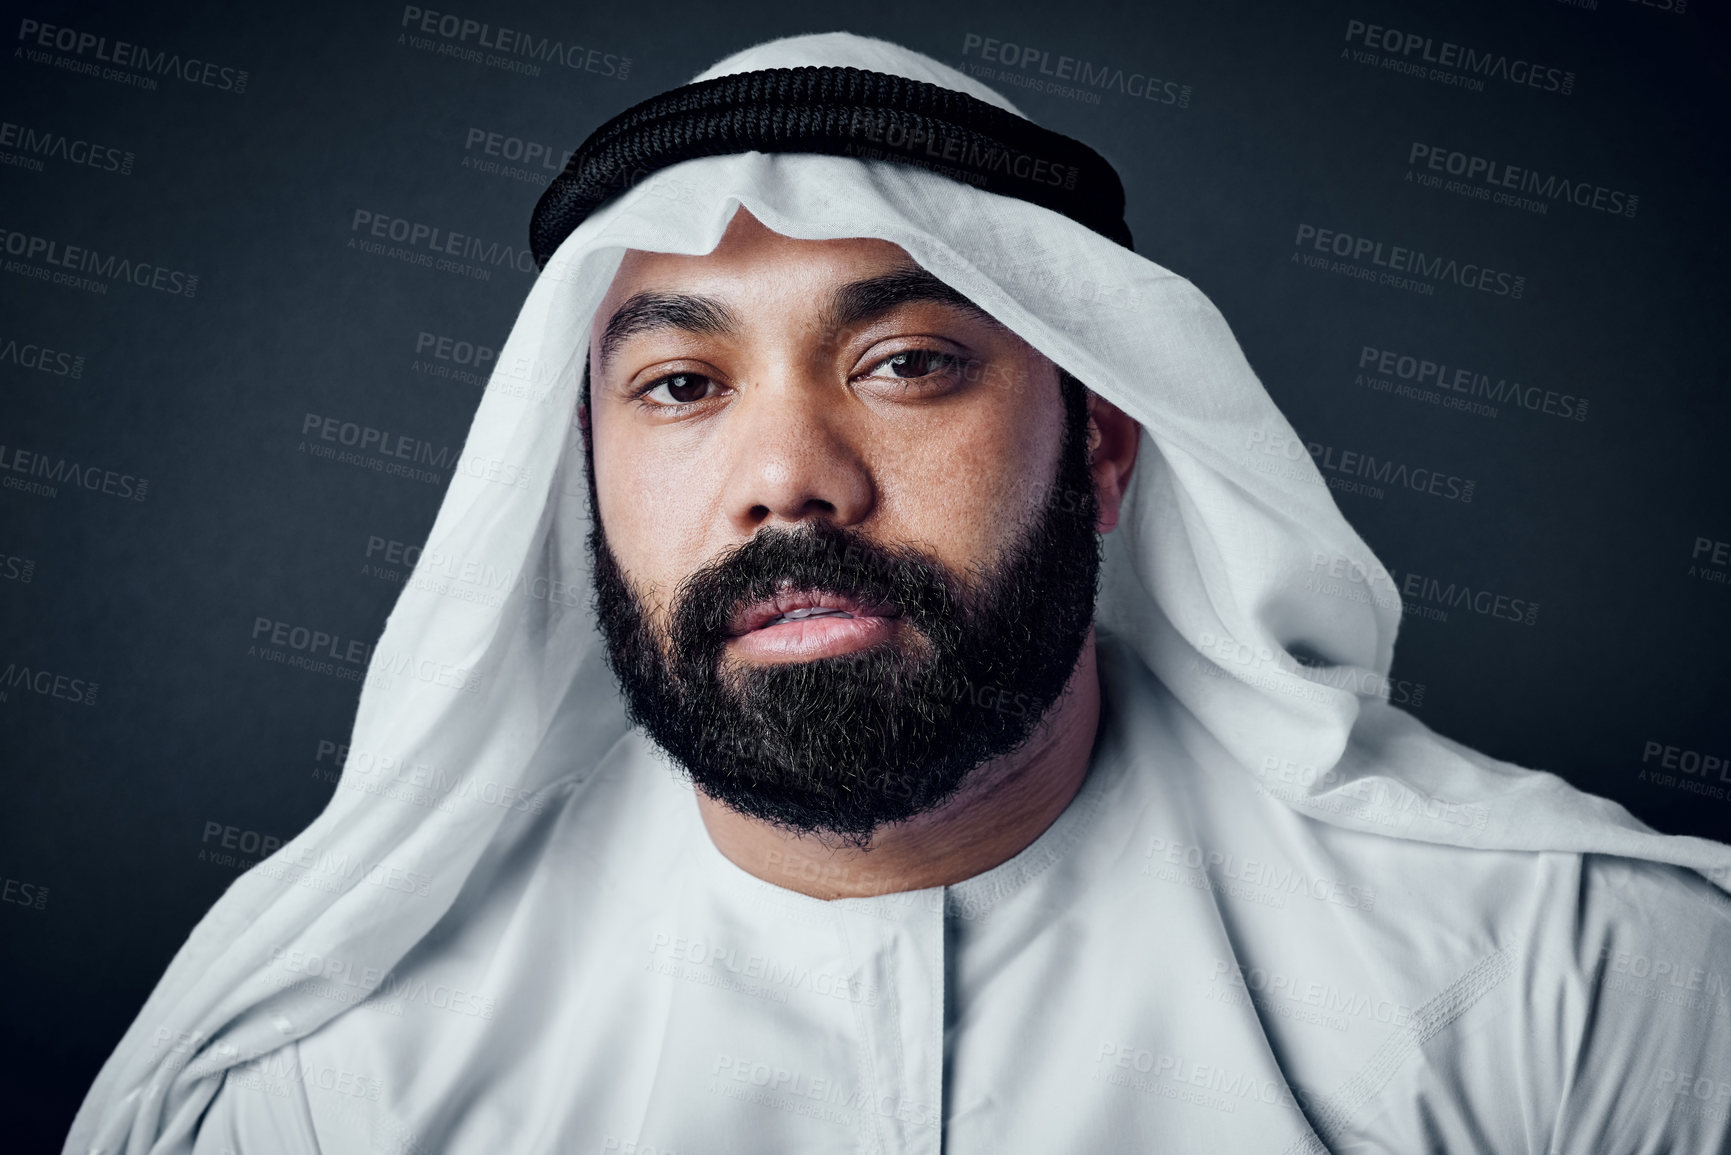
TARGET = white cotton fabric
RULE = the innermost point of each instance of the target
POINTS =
(1181, 962)
(1251, 635)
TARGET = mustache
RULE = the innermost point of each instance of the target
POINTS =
(819, 556)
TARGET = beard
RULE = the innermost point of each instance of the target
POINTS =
(843, 745)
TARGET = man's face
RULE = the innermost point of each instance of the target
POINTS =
(845, 545)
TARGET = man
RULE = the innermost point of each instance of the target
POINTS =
(914, 845)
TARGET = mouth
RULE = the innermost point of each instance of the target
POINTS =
(789, 606)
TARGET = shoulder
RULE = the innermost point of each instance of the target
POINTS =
(1656, 924)
(1596, 1018)
(1650, 1066)
(260, 1109)
(496, 984)
(1559, 999)
(1564, 1002)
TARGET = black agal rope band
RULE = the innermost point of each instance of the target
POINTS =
(840, 112)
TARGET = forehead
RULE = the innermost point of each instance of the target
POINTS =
(753, 262)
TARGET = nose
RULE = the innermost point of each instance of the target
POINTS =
(796, 454)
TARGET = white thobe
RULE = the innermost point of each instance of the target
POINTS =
(1180, 963)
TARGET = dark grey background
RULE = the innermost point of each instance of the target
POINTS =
(105, 846)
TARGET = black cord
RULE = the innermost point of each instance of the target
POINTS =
(838, 112)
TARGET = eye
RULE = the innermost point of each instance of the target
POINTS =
(678, 389)
(912, 364)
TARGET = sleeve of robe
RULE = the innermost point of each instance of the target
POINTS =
(1651, 1069)
(252, 1115)
(1612, 1036)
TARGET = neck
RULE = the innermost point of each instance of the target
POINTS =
(1002, 807)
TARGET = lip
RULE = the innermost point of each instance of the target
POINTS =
(809, 639)
(758, 615)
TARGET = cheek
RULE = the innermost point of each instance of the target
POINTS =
(655, 506)
(965, 484)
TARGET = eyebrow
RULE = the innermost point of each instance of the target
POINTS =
(861, 302)
(851, 306)
(650, 310)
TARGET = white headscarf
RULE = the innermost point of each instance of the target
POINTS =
(488, 695)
